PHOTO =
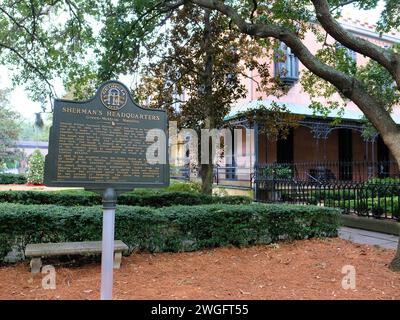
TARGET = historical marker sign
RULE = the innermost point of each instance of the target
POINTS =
(102, 143)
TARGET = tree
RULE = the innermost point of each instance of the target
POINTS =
(36, 168)
(289, 21)
(9, 128)
(126, 25)
(195, 73)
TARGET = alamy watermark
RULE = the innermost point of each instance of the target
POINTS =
(349, 280)
(49, 280)
(235, 144)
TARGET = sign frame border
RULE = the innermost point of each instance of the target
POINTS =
(51, 165)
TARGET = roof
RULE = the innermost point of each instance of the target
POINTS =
(360, 25)
(301, 109)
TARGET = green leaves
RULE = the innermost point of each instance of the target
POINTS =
(390, 16)
(177, 228)
(11, 178)
(9, 128)
(379, 83)
(152, 199)
(41, 38)
(36, 168)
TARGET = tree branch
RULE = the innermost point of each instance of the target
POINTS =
(342, 4)
(389, 60)
(349, 86)
(31, 66)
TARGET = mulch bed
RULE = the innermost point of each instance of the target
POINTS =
(307, 269)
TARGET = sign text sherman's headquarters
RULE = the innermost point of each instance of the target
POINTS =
(101, 143)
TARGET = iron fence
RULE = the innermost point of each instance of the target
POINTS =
(355, 190)
(329, 171)
(369, 189)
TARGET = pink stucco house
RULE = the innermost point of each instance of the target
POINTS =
(316, 149)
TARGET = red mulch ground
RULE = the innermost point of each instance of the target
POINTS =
(308, 269)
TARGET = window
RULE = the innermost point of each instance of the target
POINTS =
(284, 148)
(286, 65)
(350, 53)
(345, 148)
(383, 158)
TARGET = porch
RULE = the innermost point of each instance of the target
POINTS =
(322, 164)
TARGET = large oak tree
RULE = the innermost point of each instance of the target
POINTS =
(288, 22)
(195, 71)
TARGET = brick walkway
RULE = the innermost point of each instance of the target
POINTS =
(369, 237)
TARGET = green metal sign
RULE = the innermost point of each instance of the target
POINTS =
(105, 143)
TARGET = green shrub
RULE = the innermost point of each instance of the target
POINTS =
(276, 172)
(36, 168)
(377, 206)
(185, 187)
(84, 198)
(384, 181)
(368, 190)
(340, 194)
(180, 228)
(11, 178)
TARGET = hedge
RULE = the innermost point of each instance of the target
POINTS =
(82, 198)
(12, 178)
(180, 228)
(378, 206)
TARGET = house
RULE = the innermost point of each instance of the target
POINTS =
(316, 150)
(27, 148)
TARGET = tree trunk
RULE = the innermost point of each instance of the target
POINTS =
(207, 171)
(392, 143)
(395, 264)
(349, 86)
(207, 79)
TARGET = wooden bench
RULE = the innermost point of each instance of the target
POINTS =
(38, 250)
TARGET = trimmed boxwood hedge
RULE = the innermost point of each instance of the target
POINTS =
(12, 178)
(178, 228)
(153, 199)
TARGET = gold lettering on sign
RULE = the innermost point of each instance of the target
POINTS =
(90, 112)
(137, 116)
(101, 152)
(114, 114)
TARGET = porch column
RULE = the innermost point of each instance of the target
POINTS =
(232, 170)
(255, 125)
(370, 162)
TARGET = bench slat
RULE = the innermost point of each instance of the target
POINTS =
(66, 248)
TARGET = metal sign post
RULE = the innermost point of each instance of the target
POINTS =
(101, 145)
(107, 255)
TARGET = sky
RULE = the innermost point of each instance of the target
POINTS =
(20, 101)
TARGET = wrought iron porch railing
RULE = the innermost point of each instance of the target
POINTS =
(370, 189)
(323, 172)
(378, 199)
